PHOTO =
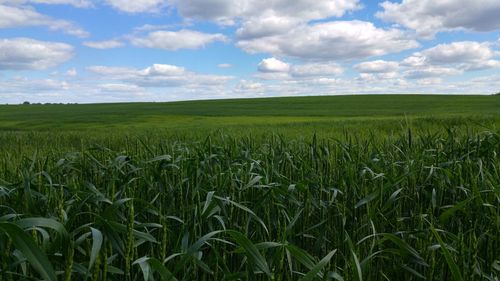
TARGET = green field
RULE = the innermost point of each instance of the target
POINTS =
(273, 112)
(311, 188)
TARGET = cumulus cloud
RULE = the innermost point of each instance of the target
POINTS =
(265, 25)
(274, 69)
(427, 17)
(175, 40)
(127, 6)
(268, 26)
(72, 72)
(137, 6)
(120, 88)
(224, 65)
(339, 40)
(23, 84)
(273, 65)
(378, 66)
(159, 76)
(164, 70)
(29, 54)
(431, 72)
(465, 56)
(433, 63)
(316, 69)
(113, 71)
(75, 3)
(227, 11)
(22, 16)
(107, 44)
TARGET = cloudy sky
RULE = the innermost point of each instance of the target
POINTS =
(163, 50)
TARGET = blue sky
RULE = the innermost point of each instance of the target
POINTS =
(163, 50)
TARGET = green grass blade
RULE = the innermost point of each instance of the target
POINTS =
(157, 266)
(30, 250)
(313, 273)
(43, 222)
(97, 240)
(455, 271)
(251, 251)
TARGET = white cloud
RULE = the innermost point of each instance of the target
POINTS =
(431, 72)
(247, 87)
(379, 76)
(265, 25)
(107, 44)
(164, 70)
(274, 69)
(137, 6)
(175, 40)
(316, 69)
(462, 52)
(224, 65)
(21, 16)
(273, 65)
(25, 53)
(340, 40)
(22, 84)
(378, 66)
(72, 72)
(127, 6)
(430, 81)
(120, 88)
(76, 3)
(464, 56)
(227, 11)
(428, 17)
(113, 71)
(159, 76)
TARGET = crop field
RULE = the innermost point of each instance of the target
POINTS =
(314, 188)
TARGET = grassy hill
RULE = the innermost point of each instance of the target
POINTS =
(249, 112)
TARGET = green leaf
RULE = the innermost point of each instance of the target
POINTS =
(446, 215)
(455, 271)
(157, 266)
(43, 222)
(145, 268)
(246, 209)
(208, 201)
(96, 246)
(303, 257)
(160, 158)
(318, 267)
(194, 249)
(252, 182)
(251, 251)
(401, 244)
(357, 271)
(367, 199)
(30, 250)
(336, 276)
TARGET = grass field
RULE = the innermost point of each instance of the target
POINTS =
(313, 188)
(217, 114)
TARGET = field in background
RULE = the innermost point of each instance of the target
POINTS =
(313, 188)
(272, 113)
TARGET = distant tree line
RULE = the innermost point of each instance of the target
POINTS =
(47, 103)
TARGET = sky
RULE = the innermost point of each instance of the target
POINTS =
(92, 51)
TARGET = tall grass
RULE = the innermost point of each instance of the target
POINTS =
(413, 206)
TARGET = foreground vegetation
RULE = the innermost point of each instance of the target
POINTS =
(378, 197)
